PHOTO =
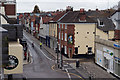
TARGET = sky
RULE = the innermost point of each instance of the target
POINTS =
(53, 5)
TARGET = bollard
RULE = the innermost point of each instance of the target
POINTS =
(77, 63)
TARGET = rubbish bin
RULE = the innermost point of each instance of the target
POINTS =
(77, 63)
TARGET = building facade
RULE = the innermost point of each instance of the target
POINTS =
(108, 55)
(76, 34)
(53, 29)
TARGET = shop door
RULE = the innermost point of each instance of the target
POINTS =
(110, 65)
(70, 52)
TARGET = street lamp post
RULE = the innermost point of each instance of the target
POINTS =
(57, 55)
(61, 64)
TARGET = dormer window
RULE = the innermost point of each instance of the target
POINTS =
(101, 23)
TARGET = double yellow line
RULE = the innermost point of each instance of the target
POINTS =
(66, 72)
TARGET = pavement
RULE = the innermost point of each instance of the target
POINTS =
(87, 68)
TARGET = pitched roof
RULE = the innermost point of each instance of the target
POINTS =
(46, 19)
(76, 17)
(103, 17)
(58, 16)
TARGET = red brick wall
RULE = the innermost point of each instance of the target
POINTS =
(117, 34)
(70, 31)
(10, 9)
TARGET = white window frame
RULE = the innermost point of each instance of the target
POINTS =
(62, 26)
(65, 47)
(65, 26)
(65, 36)
(59, 26)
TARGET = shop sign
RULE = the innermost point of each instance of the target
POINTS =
(116, 45)
(110, 52)
(117, 59)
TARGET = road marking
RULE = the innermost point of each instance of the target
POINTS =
(65, 65)
(40, 49)
(68, 74)
(68, 68)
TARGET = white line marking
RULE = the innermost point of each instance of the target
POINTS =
(40, 50)
(68, 74)
(69, 68)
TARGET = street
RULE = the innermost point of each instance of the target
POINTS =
(43, 64)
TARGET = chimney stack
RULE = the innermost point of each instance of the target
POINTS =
(82, 10)
(69, 8)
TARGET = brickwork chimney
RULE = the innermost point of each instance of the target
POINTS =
(82, 10)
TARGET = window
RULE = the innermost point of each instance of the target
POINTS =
(59, 35)
(62, 35)
(59, 25)
(87, 32)
(101, 23)
(54, 33)
(62, 25)
(86, 45)
(65, 36)
(89, 49)
(65, 26)
(93, 32)
(77, 32)
(65, 49)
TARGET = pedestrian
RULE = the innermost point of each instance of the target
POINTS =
(28, 57)
(25, 55)
(40, 45)
(33, 44)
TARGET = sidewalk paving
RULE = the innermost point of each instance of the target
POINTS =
(87, 69)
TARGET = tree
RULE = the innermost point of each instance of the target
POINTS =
(36, 9)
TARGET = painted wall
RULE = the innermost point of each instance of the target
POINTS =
(44, 30)
(17, 50)
(85, 37)
(111, 34)
(2, 11)
(53, 29)
(101, 34)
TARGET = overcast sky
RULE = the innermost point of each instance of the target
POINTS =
(52, 5)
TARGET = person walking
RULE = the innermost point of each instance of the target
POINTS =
(33, 44)
(40, 45)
